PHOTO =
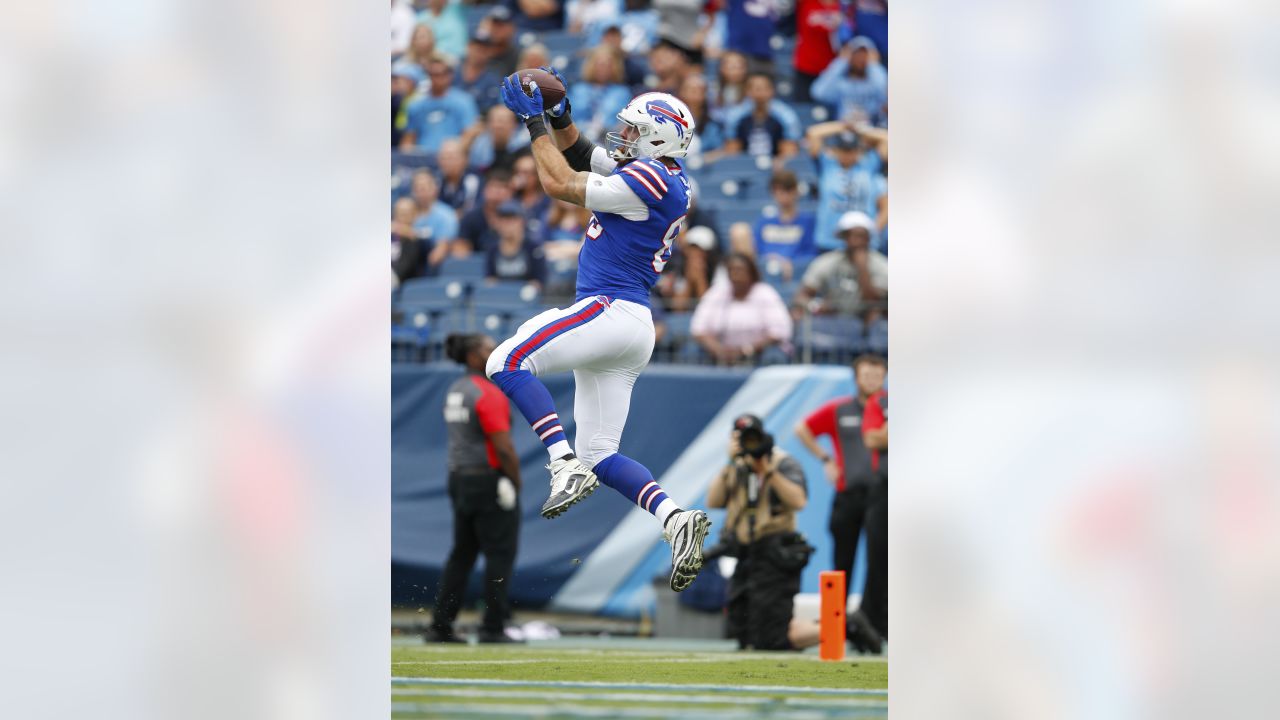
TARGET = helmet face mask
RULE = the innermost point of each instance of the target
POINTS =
(654, 125)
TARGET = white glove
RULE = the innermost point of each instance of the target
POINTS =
(506, 494)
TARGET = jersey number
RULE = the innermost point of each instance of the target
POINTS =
(663, 254)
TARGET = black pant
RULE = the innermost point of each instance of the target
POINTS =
(848, 516)
(479, 526)
(802, 84)
(875, 596)
(762, 594)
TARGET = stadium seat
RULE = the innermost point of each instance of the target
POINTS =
(740, 166)
(878, 337)
(467, 268)
(831, 338)
(507, 293)
(402, 160)
(443, 291)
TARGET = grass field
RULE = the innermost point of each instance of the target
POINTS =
(635, 679)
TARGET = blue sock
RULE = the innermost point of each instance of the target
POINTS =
(534, 401)
(636, 484)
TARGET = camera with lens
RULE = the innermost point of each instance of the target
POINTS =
(753, 441)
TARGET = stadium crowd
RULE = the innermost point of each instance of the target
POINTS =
(785, 252)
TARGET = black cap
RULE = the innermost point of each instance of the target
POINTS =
(748, 422)
(500, 13)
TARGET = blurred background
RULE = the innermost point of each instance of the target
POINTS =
(785, 250)
(193, 201)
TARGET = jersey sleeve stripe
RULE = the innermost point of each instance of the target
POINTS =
(653, 173)
(644, 182)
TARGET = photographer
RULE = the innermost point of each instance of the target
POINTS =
(762, 489)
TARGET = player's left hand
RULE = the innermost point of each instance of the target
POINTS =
(514, 97)
(562, 107)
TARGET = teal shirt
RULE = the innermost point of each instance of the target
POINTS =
(436, 119)
(450, 28)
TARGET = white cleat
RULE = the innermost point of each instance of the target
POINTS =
(571, 482)
(686, 530)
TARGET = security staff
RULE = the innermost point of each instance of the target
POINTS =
(850, 468)
(762, 488)
(484, 484)
(875, 435)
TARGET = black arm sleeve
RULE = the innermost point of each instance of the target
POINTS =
(578, 155)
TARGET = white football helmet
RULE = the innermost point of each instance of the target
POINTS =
(664, 128)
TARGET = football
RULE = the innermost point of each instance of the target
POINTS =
(552, 89)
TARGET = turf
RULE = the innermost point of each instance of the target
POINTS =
(633, 666)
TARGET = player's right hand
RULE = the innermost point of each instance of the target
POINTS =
(562, 107)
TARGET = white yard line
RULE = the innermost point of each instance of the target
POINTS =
(670, 687)
(559, 711)
(549, 695)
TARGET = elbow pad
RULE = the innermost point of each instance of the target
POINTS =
(578, 155)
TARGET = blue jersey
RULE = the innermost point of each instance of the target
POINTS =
(622, 258)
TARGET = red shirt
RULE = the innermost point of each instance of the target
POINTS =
(873, 418)
(493, 413)
(823, 422)
(816, 25)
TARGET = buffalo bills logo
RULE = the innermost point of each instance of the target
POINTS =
(662, 112)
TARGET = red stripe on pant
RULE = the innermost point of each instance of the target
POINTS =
(518, 355)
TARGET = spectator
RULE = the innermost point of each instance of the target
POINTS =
(600, 95)
(853, 281)
(475, 77)
(538, 15)
(476, 231)
(731, 80)
(638, 25)
(850, 468)
(709, 136)
(448, 24)
(534, 56)
(434, 221)
(669, 65)
(855, 83)
(422, 45)
(875, 435)
(496, 142)
(634, 68)
(498, 32)
(405, 79)
(561, 242)
(528, 190)
(816, 24)
(408, 253)
(566, 224)
(849, 178)
(872, 20)
(781, 239)
(513, 258)
(443, 112)
(762, 489)
(586, 17)
(749, 28)
(737, 321)
(680, 24)
(402, 22)
(761, 132)
(458, 186)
